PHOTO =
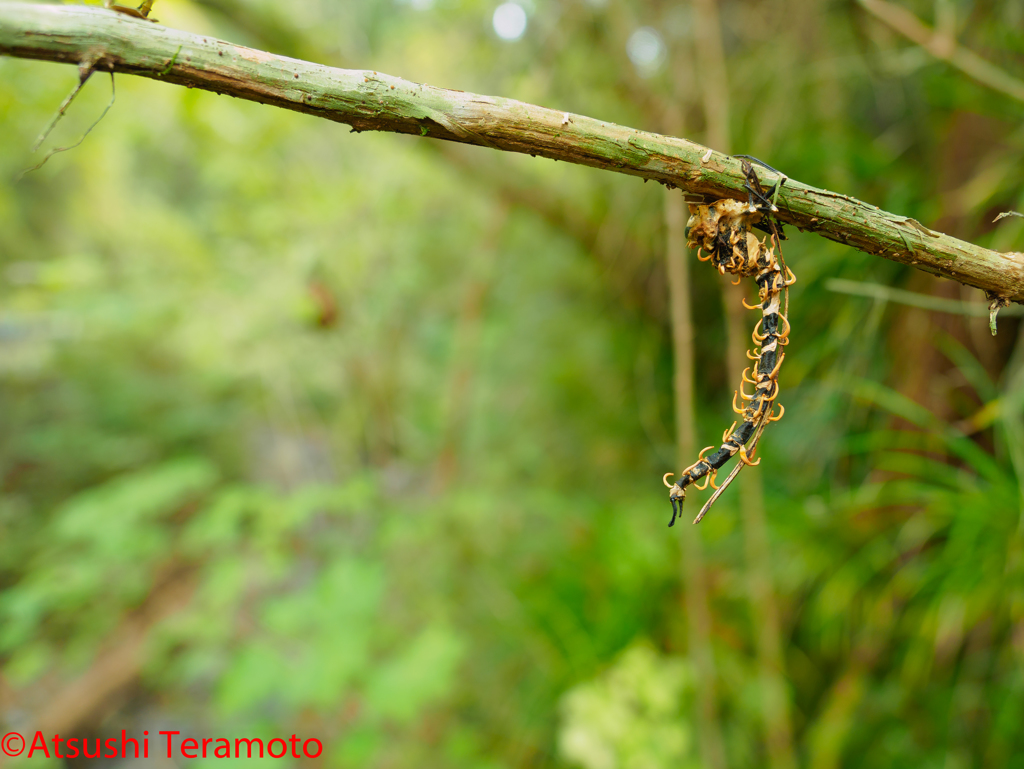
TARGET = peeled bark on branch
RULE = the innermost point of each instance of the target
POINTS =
(370, 101)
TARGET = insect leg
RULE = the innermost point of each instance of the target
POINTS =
(760, 163)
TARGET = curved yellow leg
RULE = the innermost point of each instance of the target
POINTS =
(785, 334)
(665, 478)
(765, 398)
(743, 300)
(782, 411)
(700, 458)
(745, 459)
(736, 409)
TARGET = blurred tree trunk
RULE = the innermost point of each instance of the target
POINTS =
(760, 580)
(698, 612)
(465, 354)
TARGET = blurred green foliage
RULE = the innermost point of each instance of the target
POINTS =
(632, 716)
(393, 415)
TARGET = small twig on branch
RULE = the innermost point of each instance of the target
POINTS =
(60, 113)
(84, 74)
(370, 101)
(995, 304)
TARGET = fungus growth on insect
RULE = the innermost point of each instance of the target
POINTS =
(722, 234)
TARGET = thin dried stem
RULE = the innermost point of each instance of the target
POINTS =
(941, 44)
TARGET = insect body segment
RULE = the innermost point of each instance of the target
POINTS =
(721, 233)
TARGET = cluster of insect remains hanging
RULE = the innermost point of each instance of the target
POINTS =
(722, 234)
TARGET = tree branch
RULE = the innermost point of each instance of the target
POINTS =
(370, 101)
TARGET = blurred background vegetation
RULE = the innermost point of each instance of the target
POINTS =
(361, 437)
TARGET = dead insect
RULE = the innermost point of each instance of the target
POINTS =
(721, 233)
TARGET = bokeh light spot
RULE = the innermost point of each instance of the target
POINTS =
(509, 21)
(646, 50)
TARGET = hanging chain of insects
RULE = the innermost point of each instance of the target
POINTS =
(722, 231)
